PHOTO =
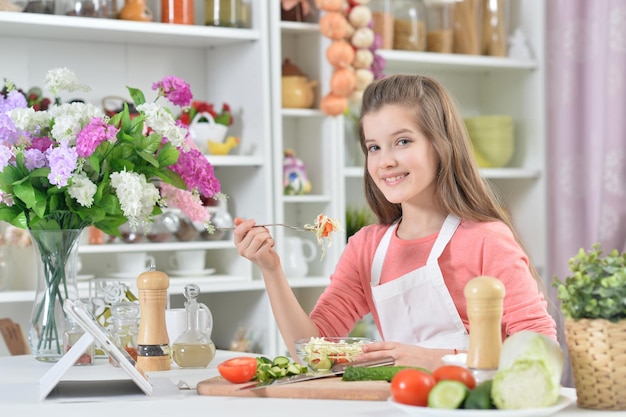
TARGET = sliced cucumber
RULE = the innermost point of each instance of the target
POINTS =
(281, 361)
(447, 394)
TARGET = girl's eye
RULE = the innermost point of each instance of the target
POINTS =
(372, 148)
(403, 141)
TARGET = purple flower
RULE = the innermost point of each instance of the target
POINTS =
(62, 163)
(175, 90)
(8, 132)
(197, 172)
(14, 100)
(92, 135)
(6, 156)
(34, 158)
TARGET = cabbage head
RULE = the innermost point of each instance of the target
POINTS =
(529, 372)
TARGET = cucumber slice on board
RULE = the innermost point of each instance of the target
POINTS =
(447, 394)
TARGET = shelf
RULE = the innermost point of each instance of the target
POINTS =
(312, 198)
(16, 296)
(510, 173)
(155, 247)
(298, 28)
(84, 29)
(407, 61)
(234, 160)
(490, 173)
(302, 113)
(212, 284)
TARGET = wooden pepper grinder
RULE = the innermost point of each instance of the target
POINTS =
(484, 295)
(153, 344)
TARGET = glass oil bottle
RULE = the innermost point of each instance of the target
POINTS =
(194, 348)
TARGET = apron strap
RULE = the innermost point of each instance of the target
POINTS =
(445, 234)
(379, 256)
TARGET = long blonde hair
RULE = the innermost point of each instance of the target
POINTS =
(460, 189)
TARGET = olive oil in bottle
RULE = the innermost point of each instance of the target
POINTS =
(194, 348)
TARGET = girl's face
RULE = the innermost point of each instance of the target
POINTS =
(400, 159)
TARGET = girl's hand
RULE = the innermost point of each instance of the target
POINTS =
(406, 355)
(255, 244)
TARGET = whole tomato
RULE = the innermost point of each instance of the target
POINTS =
(411, 386)
(455, 373)
(238, 370)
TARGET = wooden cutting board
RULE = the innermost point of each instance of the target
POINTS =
(324, 388)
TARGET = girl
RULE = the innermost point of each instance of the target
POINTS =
(438, 227)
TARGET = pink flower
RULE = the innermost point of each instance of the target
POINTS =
(197, 172)
(175, 90)
(92, 135)
(189, 204)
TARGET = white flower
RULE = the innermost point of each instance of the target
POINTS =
(137, 196)
(70, 118)
(82, 189)
(29, 120)
(62, 79)
(163, 123)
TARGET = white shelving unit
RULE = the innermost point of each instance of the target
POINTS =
(221, 65)
(243, 68)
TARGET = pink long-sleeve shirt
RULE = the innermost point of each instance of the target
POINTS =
(487, 248)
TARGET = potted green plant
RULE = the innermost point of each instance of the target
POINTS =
(593, 301)
(356, 218)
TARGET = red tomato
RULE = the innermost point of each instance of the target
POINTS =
(455, 373)
(238, 370)
(411, 386)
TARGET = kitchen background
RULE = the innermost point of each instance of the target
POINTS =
(559, 79)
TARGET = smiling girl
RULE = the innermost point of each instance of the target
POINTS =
(438, 227)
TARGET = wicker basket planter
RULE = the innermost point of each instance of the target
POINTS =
(597, 350)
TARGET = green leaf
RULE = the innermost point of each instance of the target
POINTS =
(137, 96)
(171, 177)
(168, 155)
(597, 286)
(33, 198)
(14, 216)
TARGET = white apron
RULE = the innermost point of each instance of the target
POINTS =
(417, 308)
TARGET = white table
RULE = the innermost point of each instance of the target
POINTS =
(19, 376)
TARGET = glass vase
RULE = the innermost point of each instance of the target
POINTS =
(56, 256)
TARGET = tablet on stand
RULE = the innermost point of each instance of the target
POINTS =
(93, 332)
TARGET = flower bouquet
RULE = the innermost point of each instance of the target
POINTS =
(71, 166)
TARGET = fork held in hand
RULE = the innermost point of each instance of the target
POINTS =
(297, 229)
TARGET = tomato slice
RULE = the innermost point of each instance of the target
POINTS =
(455, 373)
(238, 370)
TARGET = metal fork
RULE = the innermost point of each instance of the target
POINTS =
(297, 229)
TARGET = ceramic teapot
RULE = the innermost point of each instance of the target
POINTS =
(297, 90)
(298, 253)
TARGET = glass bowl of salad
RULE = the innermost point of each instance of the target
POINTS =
(321, 353)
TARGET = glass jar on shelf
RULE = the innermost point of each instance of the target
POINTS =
(382, 18)
(494, 27)
(439, 24)
(467, 27)
(227, 13)
(177, 11)
(83, 8)
(409, 25)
